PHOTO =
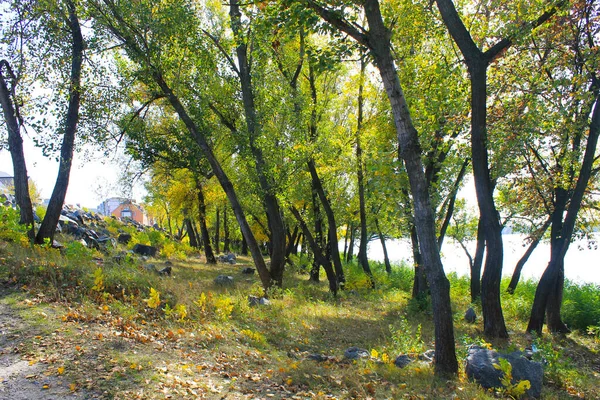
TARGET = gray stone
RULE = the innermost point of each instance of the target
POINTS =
(143, 250)
(165, 271)
(124, 238)
(480, 368)
(428, 356)
(256, 301)
(317, 357)
(354, 353)
(470, 315)
(224, 280)
(248, 271)
(402, 361)
(150, 268)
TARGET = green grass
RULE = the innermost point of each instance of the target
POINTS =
(222, 345)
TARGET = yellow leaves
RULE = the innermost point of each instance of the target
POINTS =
(60, 370)
(98, 280)
(72, 387)
(289, 381)
(374, 353)
(46, 387)
(154, 300)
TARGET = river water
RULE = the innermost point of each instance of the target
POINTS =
(582, 262)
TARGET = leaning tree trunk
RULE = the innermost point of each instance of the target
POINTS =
(226, 240)
(15, 146)
(208, 252)
(554, 273)
(332, 226)
(516, 276)
(318, 253)
(57, 199)
(445, 355)
(386, 259)
(271, 204)
(319, 237)
(362, 249)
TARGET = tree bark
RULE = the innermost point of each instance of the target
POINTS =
(553, 277)
(270, 202)
(362, 249)
(493, 319)
(226, 240)
(57, 199)
(217, 230)
(350, 254)
(191, 233)
(420, 288)
(15, 146)
(516, 276)
(208, 252)
(386, 259)
(477, 263)
(319, 237)
(318, 253)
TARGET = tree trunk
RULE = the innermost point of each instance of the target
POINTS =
(477, 263)
(362, 249)
(318, 253)
(190, 230)
(553, 276)
(319, 237)
(218, 230)
(350, 254)
(226, 241)
(208, 252)
(244, 246)
(386, 259)
(379, 41)
(332, 227)
(346, 237)
(15, 146)
(271, 205)
(516, 276)
(493, 319)
(57, 199)
(420, 288)
(451, 202)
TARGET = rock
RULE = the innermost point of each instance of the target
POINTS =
(354, 353)
(150, 268)
(470, 315)
(248, 271)
(143, 250)
(57, 245)
(480, 368)
(402, 361)
(124, 238)
(168, 262)
(224, 280)
(256, 301)
(428, 356)
(317, 357)
(165, 271)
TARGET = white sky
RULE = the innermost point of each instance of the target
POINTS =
(86, 175)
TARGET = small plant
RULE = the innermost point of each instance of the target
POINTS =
(154, 300)
(98, 280)
(514, 390)
(179, 312)
(405, 340)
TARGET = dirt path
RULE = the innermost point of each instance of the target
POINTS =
(21, 379)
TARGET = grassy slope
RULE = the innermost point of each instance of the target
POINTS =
(107, 340)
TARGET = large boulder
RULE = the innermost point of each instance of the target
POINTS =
(144, 250)
(480, 368)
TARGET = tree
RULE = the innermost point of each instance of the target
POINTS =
(477, 62)
(377, 40)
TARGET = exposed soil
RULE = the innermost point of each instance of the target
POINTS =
(21, 379)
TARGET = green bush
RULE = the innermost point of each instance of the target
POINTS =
(10, 228)
(581, 306)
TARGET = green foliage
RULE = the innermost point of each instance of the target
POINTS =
(581, 306)
(10, 229)
(405, 338)
(514, 390)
